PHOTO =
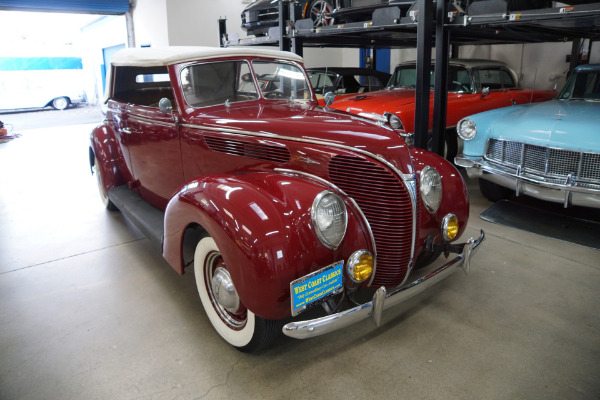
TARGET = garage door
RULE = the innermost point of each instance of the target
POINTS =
(83, 6)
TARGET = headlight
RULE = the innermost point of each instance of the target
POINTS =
(466, 129)
(394, 121)
(360, 266)
(329, 218)
(449, 226)
(431, 188)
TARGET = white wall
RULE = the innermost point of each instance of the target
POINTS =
(150, 23)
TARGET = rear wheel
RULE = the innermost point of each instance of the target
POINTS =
(228, 315)
(492, 191)
(61, 103)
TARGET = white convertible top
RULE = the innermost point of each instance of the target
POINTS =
(163, 56)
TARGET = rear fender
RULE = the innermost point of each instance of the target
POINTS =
(103, 149)
(261, 223)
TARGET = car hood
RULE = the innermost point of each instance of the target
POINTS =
(381, 101)
(309, 122)
(568, 124)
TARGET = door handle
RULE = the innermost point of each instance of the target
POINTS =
(126, 130)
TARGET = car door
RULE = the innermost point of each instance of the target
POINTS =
(155, 154)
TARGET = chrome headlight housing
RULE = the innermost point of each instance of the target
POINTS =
(393, 120)
(329, 218)
(430, 185)
(466, 129)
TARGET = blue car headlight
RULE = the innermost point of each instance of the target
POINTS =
(466, 129)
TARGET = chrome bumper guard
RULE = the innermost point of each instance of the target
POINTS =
(382, 300)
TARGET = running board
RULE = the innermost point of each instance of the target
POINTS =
(148, 219)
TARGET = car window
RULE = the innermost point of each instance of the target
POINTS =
(494, 78)
(404, 77)
(369, 83)
(215, 83)
(279, 80)
(322, 82)
(459, 78)
(582, 85)
(143, 86)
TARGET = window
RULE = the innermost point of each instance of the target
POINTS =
(279, 80)
(215, 83)
(322, 82)
(494, 78)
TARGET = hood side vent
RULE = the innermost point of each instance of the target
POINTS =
(247, 149)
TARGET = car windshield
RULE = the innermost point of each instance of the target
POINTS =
(279, 80)
(322, 82)
(459, 79)
(215, 83)
(582, 85)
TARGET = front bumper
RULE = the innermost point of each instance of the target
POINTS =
(382, 300)
(522, 182)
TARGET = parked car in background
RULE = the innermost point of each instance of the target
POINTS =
(223, 157)
(550, 150)
(473, 86)
(345, 81)
(38, 82)
(261, 15)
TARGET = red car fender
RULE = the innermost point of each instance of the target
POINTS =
(454, 200)
(102, 149)
(261, 223)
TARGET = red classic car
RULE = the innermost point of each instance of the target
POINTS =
(473, 86)
(224, 158)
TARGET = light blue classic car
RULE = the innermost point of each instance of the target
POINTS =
(548, 150)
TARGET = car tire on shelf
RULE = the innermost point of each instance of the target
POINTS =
(236, 324)
(492, 191)
(318, 11)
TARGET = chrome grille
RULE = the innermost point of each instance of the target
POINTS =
(555, 165)
(386, 203)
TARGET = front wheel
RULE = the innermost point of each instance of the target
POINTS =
(103, 195)
(228, 315)
(492, 191)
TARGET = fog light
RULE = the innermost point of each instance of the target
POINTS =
(450, 226)
(360, 266)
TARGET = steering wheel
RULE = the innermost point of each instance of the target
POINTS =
(461, 87)
(274, 94)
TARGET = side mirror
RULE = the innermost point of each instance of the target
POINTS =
(165, 106)
(329, 98)
(485, 91)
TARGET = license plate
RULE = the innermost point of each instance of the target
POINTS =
(316, 286)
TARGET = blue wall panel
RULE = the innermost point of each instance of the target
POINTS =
(87, 6)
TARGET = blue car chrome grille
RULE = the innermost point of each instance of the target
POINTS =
(555, 165)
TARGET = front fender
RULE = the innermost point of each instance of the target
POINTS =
(102, 148)
(261, 223)
(455, 198)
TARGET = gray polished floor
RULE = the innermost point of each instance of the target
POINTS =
(90, 310)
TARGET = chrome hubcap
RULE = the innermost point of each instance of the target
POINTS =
(224, 290)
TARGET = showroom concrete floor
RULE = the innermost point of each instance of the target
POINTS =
(89, 310)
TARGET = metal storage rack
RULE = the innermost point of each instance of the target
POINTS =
(427, 22)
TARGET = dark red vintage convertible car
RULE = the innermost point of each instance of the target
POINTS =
(224, 158)
(473, 86)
